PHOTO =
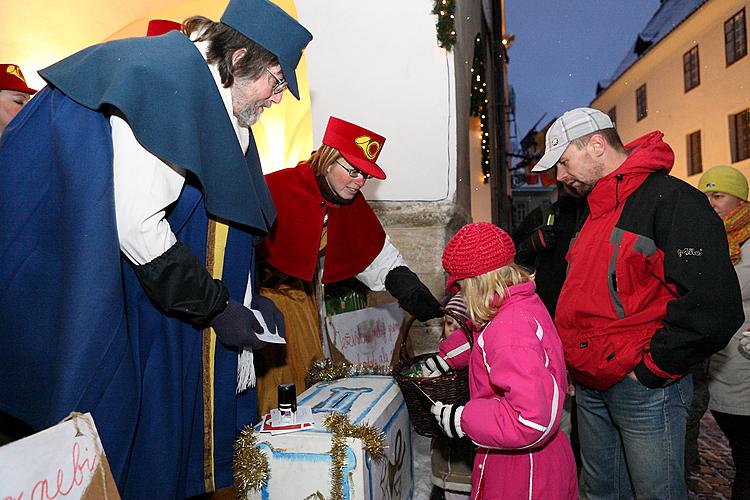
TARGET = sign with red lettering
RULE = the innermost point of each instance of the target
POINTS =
(367, 335)
(64, 462)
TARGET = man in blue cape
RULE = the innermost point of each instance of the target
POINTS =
(131, 197)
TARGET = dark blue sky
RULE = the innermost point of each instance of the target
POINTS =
(563, 47)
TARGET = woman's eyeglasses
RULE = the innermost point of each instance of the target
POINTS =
(353, 172)
(281, 84)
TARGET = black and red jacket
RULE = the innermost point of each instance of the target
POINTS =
(650, 287)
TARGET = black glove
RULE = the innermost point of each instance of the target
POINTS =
(236, 326)
(412, 295)
(271, 314)
(542, 239)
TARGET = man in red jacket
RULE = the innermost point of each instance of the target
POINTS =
(649, 293)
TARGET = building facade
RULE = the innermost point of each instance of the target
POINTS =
(688, 75)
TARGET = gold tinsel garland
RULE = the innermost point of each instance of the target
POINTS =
(326, 370)
(251, 470)
(250, 464)
(372, 439)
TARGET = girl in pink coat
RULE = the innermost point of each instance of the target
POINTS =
(516, 374)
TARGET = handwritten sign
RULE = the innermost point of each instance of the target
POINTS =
(367, 335)
(66, 461)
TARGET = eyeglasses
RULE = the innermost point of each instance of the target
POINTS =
(281, 84)
(353, 172)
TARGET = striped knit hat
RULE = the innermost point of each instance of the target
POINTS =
(476, 249)
(457, 305)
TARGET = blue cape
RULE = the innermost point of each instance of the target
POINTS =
(163, 86)
(78, 333)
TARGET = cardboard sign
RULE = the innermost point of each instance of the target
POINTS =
(66, 461)
(367, 335)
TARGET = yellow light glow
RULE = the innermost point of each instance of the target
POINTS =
(283, 134)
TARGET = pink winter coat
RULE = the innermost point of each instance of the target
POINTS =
(517, 385)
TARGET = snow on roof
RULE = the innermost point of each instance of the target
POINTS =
(671, 13)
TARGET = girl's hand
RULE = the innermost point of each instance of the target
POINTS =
(449, 418)
(434, 366)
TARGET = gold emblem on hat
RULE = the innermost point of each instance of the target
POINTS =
(368, 146)
(15, 71)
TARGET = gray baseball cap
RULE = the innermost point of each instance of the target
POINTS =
(570, 126)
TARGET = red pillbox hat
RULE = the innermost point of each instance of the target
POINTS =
(11, 78)
(359, 146)
(158, 27)
(476, 249)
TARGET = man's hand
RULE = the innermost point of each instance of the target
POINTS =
(449, 418)
(271, 315)
(236, 326)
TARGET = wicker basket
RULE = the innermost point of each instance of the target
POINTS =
(453, 387)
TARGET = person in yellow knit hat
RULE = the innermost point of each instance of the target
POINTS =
(729, 369)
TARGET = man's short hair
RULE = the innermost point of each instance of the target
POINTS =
(223, 41)
(610, 135)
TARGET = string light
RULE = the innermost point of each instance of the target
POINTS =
(445, 24)
(479, 105)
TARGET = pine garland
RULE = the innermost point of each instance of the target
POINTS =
(445, 25)
(479, 102)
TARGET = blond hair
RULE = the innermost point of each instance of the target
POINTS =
(323, 159)
(479, 291)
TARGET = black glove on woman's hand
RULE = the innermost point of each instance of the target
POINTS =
(412, 295)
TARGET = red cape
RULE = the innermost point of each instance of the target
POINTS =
(355, 235)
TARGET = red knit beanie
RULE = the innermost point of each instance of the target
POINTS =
(476, 249)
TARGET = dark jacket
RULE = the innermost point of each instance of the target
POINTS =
(650, 286)
(550, 265)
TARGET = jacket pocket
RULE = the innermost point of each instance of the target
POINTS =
(594, 361)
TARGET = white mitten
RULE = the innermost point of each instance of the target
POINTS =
(449, 418)
(434, 366)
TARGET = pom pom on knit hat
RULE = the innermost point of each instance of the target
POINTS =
(476, 249)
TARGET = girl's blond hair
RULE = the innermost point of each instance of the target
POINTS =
(479, 291)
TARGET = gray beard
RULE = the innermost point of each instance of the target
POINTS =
(249, 115)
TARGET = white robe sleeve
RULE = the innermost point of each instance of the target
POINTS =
(143, 186)
(374, 275)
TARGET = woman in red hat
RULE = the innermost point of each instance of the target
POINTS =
(14, 93)
(321, 212)
(517, 377)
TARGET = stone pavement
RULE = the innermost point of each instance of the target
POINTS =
(712, 480)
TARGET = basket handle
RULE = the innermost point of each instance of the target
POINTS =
(399, 350)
